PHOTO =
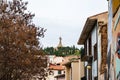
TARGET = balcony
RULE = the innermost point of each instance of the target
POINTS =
(84, 56)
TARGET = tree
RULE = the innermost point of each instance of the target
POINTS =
(62, 51)
(49, 50)
(21, 54)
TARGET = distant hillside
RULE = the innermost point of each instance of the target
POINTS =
(62, 51)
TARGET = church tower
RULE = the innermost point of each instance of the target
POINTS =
(60, 42)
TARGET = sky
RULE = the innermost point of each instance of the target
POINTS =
(64, 18)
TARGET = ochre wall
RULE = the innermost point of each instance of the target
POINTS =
(115, 5)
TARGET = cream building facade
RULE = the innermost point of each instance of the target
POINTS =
(74, 68)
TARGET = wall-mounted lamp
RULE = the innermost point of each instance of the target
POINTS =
(89, 66)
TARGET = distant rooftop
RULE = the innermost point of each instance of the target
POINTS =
(56, 67)
(89, 25)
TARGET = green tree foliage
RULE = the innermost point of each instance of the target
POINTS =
(49, 50)
(21, 56)
(62, 51)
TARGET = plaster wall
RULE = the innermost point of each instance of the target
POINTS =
(75, 70)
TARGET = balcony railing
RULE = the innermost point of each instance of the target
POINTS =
(83, 55)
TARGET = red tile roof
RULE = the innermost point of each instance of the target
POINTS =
(60, 75)
(56, 67)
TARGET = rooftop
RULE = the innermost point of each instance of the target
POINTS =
(56, 67)
(90, 24)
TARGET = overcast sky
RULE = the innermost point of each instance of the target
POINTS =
(64, 18)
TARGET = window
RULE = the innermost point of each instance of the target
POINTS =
(95, 52)
(85, 47)
(51, 73)
(59, 71)
(95, 78)
(58, 64)
(90, 45)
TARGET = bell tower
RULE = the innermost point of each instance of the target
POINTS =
(60, 42)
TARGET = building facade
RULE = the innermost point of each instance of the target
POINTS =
(55, 68)
(95, 45)
(74, 69)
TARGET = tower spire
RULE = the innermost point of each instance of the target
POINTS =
(60, 42)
